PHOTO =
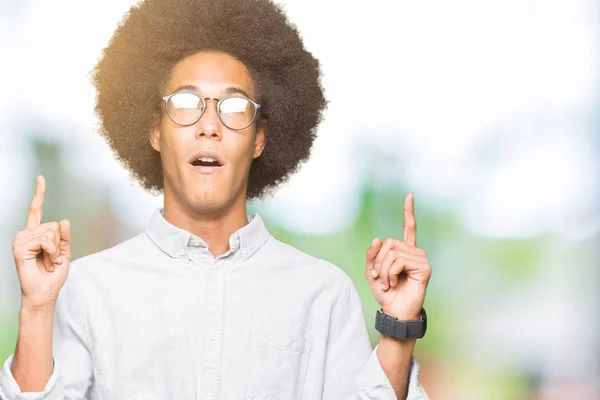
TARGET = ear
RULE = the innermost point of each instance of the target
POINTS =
(155, 134)
(259, 141)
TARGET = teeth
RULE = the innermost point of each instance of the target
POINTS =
(206, 159)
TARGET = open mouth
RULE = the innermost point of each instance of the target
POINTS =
(206, 162)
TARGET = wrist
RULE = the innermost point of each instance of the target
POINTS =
(406, 328)
(402, 315)
(37, 312)
(405, 345)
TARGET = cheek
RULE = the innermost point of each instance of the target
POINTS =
(245, 156)
(173, 147)
(247, 143)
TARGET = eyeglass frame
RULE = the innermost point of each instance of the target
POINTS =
(219, 101)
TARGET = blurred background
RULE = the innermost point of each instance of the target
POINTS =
(488, 111)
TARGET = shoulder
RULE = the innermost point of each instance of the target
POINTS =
(105, 261)
(93, 276)
(287, 257)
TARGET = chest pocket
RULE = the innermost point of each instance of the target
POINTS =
(275, 367)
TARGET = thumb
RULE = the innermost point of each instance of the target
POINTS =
(65, 236)
(64, 245)
(65, 230)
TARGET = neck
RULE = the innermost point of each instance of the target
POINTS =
(213, 226)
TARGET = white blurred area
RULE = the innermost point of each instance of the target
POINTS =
(430, 83)
(489, 109)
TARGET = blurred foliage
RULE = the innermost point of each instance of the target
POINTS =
(380, 215)
(9, 329)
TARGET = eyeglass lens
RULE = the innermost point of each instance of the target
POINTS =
(234, 112)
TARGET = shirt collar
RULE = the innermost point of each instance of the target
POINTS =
(176, 241)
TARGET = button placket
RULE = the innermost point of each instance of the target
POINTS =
(211, 363)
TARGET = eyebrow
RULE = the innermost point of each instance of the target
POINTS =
(228, 90)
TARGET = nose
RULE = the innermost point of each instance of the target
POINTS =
(210, 124)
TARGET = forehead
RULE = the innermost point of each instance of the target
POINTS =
(212, 72)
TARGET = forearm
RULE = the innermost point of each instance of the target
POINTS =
(33, 364)
(395, 357)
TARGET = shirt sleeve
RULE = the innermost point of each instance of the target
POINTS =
(72, 374)
(349, 354)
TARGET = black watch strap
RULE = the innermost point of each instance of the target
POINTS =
(393, 327)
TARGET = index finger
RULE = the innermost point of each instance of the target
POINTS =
(410, 224)
(34, 218)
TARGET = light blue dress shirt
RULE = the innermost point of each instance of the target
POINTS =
(158, 317)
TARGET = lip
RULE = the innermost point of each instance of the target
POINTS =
(204, 169)
(207, 153)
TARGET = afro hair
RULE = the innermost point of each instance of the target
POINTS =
(156, 34)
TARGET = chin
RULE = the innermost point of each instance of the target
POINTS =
(209, 201)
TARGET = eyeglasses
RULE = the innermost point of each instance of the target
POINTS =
(235, 112)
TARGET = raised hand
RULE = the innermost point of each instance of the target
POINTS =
(398, 272)
(42, 254)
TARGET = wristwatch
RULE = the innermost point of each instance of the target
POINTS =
(398, 329)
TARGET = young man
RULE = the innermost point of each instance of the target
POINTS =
(212, 102)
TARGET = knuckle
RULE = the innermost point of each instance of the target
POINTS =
(54, 226)
(388, 242)
(383, 264)
(46, 237)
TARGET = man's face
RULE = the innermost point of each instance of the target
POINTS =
(196, 184)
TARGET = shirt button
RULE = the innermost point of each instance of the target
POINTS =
(195, 242)
(213, 335)
(182, 252)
